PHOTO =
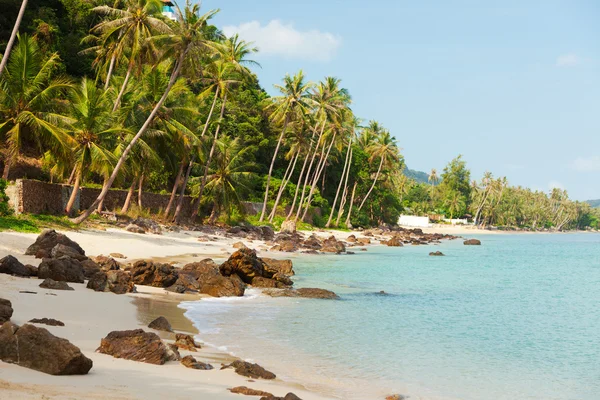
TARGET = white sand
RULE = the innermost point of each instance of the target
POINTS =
(90, 316)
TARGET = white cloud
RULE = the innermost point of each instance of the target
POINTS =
(555, 184)
(586, 164)
(568, 60)
(277, 38)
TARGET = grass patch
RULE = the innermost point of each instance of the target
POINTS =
(18, 224)
(35, 223)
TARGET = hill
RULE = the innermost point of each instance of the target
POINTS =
(418, 176)
(593, 203)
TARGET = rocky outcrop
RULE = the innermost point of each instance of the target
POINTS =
(118, 282)
(186, 342)
(49, 283)
(6, 310)
(90, 268)
(61, 269)
(10, 265)
(144, 225)
(289, 396)
(161, 324)
(36, 348)
(436, 254)
(250, 370)
(136, 345)
(472, 242)
(61, 250)
(288, 226)
(363, 241)
(222, 286)
(191, 362)
(251, 232)
(394, 242)
(312, 243)
(204, 268)
(153, 274)
(249, 392)
(133, 228)
(332, 245)
(107, 263)
(310, 293)
(245, 264)
(259, 281)
(47, 321)
(351, 239)
(47, 240)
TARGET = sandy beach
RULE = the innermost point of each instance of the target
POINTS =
(90, 316)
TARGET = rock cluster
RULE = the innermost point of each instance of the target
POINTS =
(50, 283)
(47, 240)
(35, 348)
(472, 242)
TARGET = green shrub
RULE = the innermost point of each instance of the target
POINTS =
(5, 210)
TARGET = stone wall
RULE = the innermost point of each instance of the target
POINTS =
(35, 197)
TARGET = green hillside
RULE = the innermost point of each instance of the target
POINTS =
(594, 203)
(418, 176)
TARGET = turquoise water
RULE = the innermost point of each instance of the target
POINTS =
(515, 318)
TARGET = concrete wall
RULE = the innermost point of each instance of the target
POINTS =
(35, 197)
(413, 221)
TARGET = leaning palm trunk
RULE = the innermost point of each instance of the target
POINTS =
(348, 225)
(210, 155)
(101, 203)
(174, 75)
(72, 176)
(176, 217)
(174, 191)
(111, 67)
(345, 193)
(286, 178)
(140, 191)
(308, 177)
(337, 193)
(372, 186)
(297, 188)
(318, 173)
(129, 197)
(13, 36)
(264, 208)
(74, 193)
(123, 87)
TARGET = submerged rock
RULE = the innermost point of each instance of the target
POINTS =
(436, 253)
(250, 370)
(311, 293)
(36, 348)
(136, 345)
(472, 242)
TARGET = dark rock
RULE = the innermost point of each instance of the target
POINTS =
(289, 396)
(186, 342)
(267, 232)
(472, 242)
(107, 263)
(47, 321)
(61, 269)
(436, 253)
(47, 240)
(311, 293)
(55, 285)
(153, 274)
(243, 263)
(191, 362)
(133, 228)
(10, 265)
(118, 282)
(161, 324)
(185, 284)
(6, 310)
(136, 345)
(283, 278)
(249, 392)
(61, 250)
(36, 348)
(33, 270)
(250, 370)
(204, 268)
(27, 292)
(222, 286)
(259, 281)
(312, 242)
(148, 225)
(90, 268)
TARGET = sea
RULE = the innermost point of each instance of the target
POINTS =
(515, 318)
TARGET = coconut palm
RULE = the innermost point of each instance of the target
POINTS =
(13, 36)
(293, 101)
(189, 34)
(93, 133)
(27, 95)
(386, 150)
(433, 177)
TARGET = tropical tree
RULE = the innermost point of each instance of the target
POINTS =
(13, 36)
(28, 94)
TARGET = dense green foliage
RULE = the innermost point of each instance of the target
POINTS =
(114, 94)
(4, 207)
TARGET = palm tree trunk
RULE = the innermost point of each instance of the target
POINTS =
(212, 107)
(13, 35)
(297, 188)
(210, 155)
(73, 196)
(123, 86)
(345, 193)
(101, 203)
(72, 176)
(111, 66)
(319, 172)
(176, 217)
(7, 163)
(372, 186)
(306, 179)
(337, 193)
(174, 191)
(286, 179)
(264, 208)
(102, 195)
(348, 224)
(129, 196)
(140, 191)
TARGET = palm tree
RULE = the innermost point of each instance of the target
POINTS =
(386, 150)
(130, 31)
(13, 36)
(433, 177)
(189, 33)
(27, 94)
(293, 100)
(93, 132)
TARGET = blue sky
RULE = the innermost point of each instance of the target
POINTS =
(514, 86)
